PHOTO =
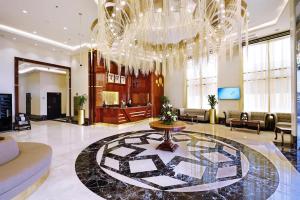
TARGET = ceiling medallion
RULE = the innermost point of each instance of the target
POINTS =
(161, 35)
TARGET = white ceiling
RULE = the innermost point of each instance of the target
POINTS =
(49, 21)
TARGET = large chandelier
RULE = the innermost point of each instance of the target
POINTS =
(161, 35)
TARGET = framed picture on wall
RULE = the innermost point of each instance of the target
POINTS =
(117, 78)
(123, 80)
(110, 78)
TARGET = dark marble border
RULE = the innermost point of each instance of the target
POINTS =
(260, 183)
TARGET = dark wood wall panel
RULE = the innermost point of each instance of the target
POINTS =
(141, 89)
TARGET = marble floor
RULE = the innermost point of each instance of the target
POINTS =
(224, 164)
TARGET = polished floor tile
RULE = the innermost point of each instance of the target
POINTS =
(68, 141)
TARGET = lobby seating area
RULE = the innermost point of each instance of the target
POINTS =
(277, 122)
(266, 121)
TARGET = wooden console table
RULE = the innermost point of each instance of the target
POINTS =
(168, 145)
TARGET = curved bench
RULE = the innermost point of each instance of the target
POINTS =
(31, 164)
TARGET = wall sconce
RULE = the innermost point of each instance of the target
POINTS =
(159, 82)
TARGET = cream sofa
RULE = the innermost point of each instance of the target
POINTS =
(231, 115)
(21, 166)
(259, 116)
(199, 115)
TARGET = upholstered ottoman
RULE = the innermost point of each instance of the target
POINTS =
(9, 149)
(22, 167)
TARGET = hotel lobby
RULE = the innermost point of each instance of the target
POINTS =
(149, 99)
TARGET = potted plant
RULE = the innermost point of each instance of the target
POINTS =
(81, 112)
(164, 100)
(212, 101)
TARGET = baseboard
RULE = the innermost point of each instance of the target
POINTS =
(38, 117)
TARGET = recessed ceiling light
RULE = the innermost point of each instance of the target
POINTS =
(14, 38)
(25, 11)
(123, 3)
(34, 32)
(35, 44)
(65, 28)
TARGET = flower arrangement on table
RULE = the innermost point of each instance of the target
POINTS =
(167, 114)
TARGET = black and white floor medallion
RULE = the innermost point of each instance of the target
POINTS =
(128, 166)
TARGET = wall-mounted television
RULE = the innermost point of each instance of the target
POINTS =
(229, 93)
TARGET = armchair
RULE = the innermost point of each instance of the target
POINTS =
(283, 119)
(22, 121)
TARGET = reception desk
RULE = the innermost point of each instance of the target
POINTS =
(115, 115)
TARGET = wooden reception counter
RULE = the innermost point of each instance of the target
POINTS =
(116, 115)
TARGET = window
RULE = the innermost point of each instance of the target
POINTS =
(267, 79)
(201, 82)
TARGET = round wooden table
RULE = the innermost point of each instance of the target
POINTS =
(168, 145)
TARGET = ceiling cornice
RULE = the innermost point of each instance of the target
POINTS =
(42, 39)
(272, 22)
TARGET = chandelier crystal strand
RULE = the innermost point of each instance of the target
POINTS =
(161, 35)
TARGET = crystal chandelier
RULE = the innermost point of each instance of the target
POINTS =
(161, 35)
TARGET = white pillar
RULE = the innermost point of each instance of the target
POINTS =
(295, 90)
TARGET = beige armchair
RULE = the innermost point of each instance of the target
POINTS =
(283, 119)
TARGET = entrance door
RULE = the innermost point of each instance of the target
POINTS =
(53, 105)
(28, 104)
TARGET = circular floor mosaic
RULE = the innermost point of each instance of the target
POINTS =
(128, 166)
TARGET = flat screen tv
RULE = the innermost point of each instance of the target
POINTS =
(232, 93)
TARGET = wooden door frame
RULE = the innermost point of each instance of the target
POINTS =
(17, 62)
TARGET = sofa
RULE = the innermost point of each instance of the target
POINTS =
(259, 116)
(230, 115)
(199, 115)
(22, 165)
